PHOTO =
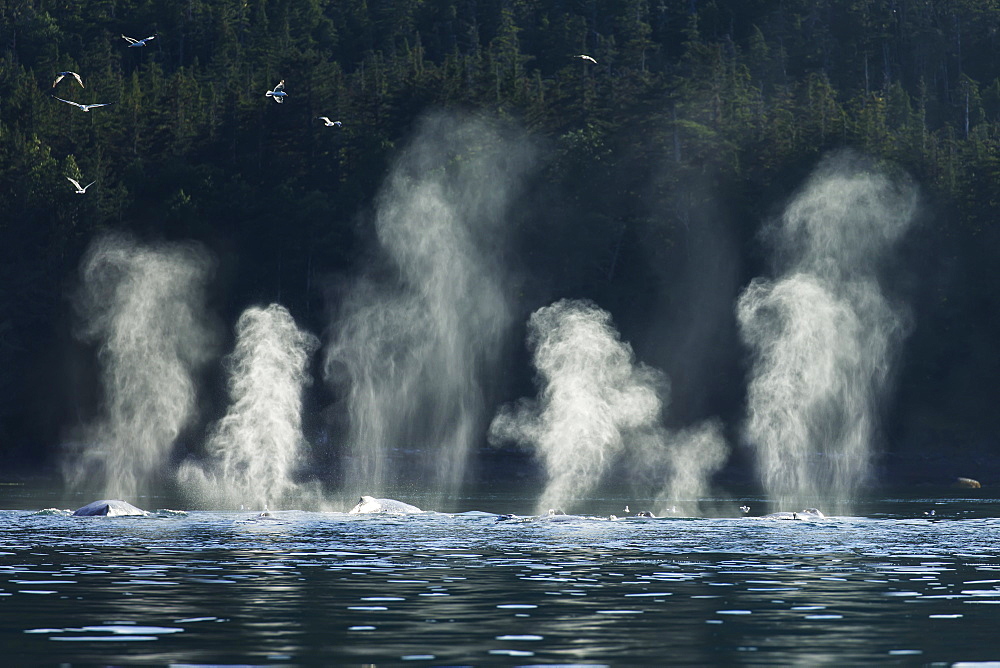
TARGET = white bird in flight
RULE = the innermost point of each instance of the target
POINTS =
(84, 107)
(137, 42)
(587, 58)
(278, 93)
(80, 189)
(328, 123)
(61, 75)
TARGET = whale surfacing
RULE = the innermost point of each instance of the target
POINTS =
(807, 514)
(371, 505)
(108, 508)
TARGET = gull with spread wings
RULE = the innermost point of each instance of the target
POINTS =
(137, 42)
(83, 107)
(62, 75)
(80, 189)
(278, 93)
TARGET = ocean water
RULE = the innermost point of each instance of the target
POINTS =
(895, 585)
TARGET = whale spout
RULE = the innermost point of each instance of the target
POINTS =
(108, 508)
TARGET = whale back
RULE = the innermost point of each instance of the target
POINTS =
(808, 513)
(108, 508)
(371, 505)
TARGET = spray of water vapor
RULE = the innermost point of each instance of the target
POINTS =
(822, 334)
(256, 448)
(144, 306)
(690, 457)
(410, 353)
(596, 402)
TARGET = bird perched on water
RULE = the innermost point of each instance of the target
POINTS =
(83, 107)
(62, 75)
(278, 93)
(80, 189)
(584, 56)
(328, 123)
(137, 42)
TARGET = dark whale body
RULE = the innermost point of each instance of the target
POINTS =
(108, 508)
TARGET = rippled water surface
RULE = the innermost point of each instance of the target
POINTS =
(894, 587)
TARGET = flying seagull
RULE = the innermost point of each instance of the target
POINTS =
(328, 123)
(278, 93)
(587, 58)
(137, 42)
(80, 189)
(83, 107)
(61, 75)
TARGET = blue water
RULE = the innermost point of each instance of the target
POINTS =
(892, 587)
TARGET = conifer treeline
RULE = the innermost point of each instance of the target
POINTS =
(741, 95)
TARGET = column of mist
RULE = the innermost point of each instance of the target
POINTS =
(596, 405)
(415, 341)
(256, 450)
(823, 335)
(143, 307)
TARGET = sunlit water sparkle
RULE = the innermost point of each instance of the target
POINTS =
(894, 587)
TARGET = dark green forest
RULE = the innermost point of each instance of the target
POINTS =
(658, 165)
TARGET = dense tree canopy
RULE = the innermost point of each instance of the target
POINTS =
(698, 120)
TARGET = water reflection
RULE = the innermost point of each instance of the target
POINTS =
(330, 588)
